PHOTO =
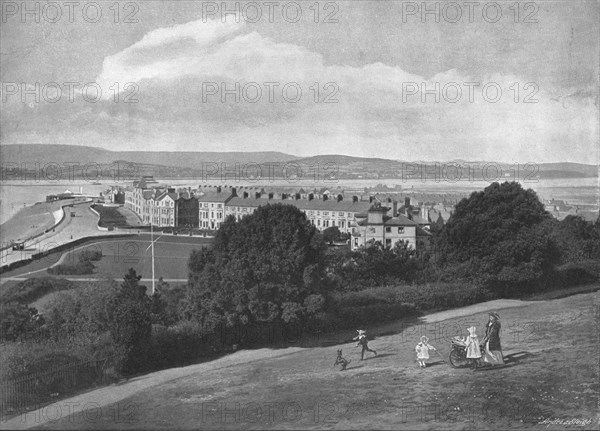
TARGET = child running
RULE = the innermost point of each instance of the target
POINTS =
(362, 341)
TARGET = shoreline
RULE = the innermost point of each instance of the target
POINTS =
(30, 221)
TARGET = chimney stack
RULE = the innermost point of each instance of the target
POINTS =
(233, 191)
(394, 208)
(407, 202)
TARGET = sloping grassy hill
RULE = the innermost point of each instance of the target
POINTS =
(552, 347)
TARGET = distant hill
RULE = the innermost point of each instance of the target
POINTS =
(47, 153)
(188, 164)
(364, 167)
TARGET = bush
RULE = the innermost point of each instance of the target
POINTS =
(18, 321)
(90, 255)
(32, 289)
(179, 345)
(369, 306)
(80, 268)
(573, 274)
(387, 303)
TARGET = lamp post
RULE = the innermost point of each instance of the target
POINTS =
(152, 243)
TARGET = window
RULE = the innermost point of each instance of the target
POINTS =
(388, 229)
(400, 230)
(318, 222)
(388, 243)
(325, 213)
(341, 214)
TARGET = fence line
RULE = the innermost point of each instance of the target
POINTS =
(35, 389)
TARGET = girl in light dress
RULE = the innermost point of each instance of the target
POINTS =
(472, 347)
(422, 350)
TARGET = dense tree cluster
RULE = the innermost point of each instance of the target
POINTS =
(266, 267)
(499, 236)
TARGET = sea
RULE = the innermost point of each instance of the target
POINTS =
(14, 195)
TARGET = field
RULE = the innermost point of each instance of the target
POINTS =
(551, 348)
(171, 256)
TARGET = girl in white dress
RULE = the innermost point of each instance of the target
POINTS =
(472, 347)
(422, 350)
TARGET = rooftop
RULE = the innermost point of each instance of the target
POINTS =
(214, 196)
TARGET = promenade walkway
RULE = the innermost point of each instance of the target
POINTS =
(79, 222)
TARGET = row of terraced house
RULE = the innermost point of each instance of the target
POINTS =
(208, 207)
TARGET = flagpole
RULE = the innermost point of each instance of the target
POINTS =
(152, 244)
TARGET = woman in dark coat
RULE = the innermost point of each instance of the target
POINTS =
(491, 341)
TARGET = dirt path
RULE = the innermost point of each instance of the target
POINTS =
(372, 393)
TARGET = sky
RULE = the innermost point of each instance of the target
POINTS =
(384, 79)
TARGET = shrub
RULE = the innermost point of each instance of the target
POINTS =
(18, 321)
(369, 306)
(30, 290)
(179, 345)
(90, 255)
(80, 268)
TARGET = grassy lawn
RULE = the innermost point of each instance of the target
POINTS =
(110, 216)
(171, 256)
(553, 374)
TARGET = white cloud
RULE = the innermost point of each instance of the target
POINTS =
(375, 116)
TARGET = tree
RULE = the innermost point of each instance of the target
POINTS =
(331, 234)
(375, 265)
(260, 269)
(500, 236)
(82, 318)
(577, 239)
(130, 322)
(18, 321)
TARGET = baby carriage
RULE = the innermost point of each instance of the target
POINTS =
(458, 353)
